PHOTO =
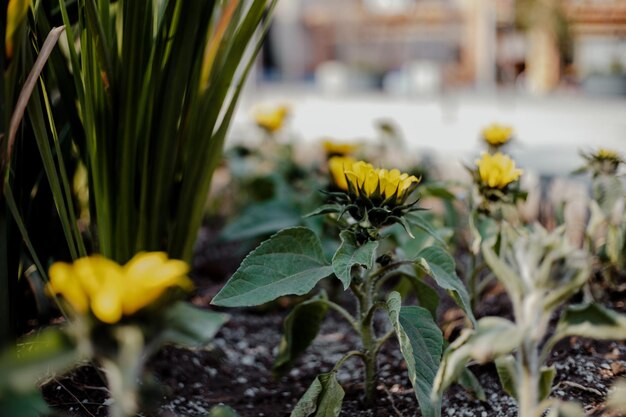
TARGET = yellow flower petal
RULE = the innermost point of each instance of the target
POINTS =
(16, 12)
(63, 281)
(107, 304)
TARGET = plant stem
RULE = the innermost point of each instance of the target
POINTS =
(344, 313)
(528, 371)
(368, 338)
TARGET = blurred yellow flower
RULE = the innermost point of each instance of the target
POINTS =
(497, 170)
(362, 178)
(271, 120)
(333, 148)
(112, 291)
(16, 12)
(497, 135)
(607, 154)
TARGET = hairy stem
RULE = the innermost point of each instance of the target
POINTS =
(528, 371)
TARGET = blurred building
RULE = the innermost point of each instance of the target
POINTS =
(423, 46)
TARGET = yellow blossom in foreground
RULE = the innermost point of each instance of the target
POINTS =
(111, 290)
(362, 178)
(497, 135)
(333, 148)
(16, 12)
(497, 171)
(271, 120)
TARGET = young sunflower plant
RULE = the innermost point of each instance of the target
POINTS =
(491, 201)
(365, 205)
(540, 272)
(605, 234)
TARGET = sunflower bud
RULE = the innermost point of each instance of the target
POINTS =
(371, 194)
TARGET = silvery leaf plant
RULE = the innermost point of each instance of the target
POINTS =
(367, 207)
(540, 271)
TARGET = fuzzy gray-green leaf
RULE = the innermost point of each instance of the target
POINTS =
(291, 262)
(421, 343)
(350, 254)
(592, 321)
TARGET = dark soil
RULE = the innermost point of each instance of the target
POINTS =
(236, 370)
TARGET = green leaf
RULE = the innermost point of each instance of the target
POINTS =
(290, 262)
(421, 223)
(440, 265)
(261, 219)
(421, 343)
(507, 372)
(190, 326)
(592, 321)
(325, 209)
(222, 411)
(468, 380)
(426, 295)
(299, 330)
(350, 254)
(546, 378)
(322, 399)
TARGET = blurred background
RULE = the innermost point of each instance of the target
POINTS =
(440, 70)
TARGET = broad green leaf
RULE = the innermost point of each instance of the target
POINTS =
(421, 223)
(492, 338)
(421, 343)
(440, 265)
(592, 321)
(190, 326)
(261, 219)
(350, 254)
(468, 380)
(222, 411)
(322, 399)
(427, 297)
(546, 378)
(507, 372)
(299, 330)
(290, 262)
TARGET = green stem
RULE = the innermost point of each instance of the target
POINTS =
(344, 313)
(368, 339)
(347, 356)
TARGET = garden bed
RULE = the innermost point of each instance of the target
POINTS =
(236, 369)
